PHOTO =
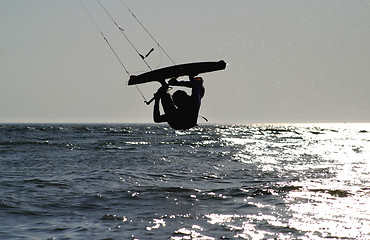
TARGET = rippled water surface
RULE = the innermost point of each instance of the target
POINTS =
(211, 182)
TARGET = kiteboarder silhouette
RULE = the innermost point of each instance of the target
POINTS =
(180, 110)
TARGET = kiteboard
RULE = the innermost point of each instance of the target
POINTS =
(187, 69)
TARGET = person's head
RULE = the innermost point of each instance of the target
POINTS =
(180, 98)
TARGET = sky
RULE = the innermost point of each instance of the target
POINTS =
(289, 61)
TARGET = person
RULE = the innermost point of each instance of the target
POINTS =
(180, 109)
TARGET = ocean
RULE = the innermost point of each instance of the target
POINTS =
(146, 181)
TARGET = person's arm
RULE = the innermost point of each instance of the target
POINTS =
(156, 114)
(196, 90)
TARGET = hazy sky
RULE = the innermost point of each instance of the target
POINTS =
(288, 60)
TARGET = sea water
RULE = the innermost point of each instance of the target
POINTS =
(131, 181)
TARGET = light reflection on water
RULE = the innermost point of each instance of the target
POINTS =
(320, 173)
(332, 203)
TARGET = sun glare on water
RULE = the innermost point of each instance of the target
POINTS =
(332, 200)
